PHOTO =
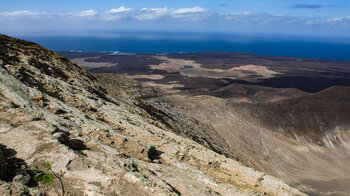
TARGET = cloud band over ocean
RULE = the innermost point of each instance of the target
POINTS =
(192, 16)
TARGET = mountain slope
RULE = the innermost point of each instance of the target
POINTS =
(301, 138)
(304, 141)
(107, 143)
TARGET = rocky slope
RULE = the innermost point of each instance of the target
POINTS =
(303, 140)
(299, 137)
(107, 141)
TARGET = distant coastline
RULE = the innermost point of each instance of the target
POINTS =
(175, 45)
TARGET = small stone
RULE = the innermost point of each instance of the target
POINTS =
(22, 178)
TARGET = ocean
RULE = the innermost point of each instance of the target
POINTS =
(271, 46)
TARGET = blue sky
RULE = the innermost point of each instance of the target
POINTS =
(295, 17)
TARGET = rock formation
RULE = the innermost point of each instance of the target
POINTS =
(106, 140)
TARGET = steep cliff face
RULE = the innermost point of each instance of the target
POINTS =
(107, 141)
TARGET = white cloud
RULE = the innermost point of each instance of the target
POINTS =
(87, 13)
(337, 21)
(19, 13)
(256, 18)
(192, 14)
(196, 9)
(119, 10)
(170, 16)
(151, 13)
(343, 20)
(116, 14)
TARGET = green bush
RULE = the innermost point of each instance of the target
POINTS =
(47, 177)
